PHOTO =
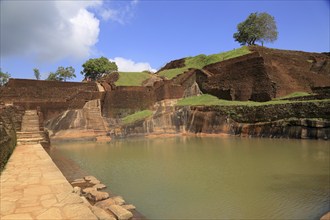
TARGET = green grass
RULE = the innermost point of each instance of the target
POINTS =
(198, 62)
(209, 100)
(294, 95)
(136, 116)
(132, 78)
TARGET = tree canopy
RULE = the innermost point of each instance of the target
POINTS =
(95, 68)
(4, 77)
(36, 73)
(62, 74)
(258, 27)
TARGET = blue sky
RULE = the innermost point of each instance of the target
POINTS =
(141, 34)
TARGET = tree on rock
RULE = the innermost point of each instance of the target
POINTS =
(95, 68)
(258, 27)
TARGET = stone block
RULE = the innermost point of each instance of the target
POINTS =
(104, 204)
(102, 214)
(120, 212)
(97, 195)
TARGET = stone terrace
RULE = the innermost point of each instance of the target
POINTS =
(32, 187)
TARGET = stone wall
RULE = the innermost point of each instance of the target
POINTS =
(242, 78)
(10, 122)
(51, 97)
(125, 100)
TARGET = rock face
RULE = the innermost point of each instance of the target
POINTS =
(295, 120)
(261, 75)
(71, 124)
(10, 123)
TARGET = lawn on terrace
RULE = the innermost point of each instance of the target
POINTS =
(198, 62)
(132, 78)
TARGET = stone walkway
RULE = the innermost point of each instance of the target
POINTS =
(32, 187)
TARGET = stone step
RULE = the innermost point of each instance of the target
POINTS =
(30, 140)
(37, 134)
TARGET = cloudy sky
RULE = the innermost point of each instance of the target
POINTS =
(140, 34)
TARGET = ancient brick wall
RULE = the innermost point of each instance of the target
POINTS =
(51, 97)
(292, 71)
(243, 78)
(125, 100)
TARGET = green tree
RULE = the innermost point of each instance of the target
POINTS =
(53, 77)
(65, 73)
(258, 27)
(4, 77)
(36, 73)
(95, 68)
(62, 74)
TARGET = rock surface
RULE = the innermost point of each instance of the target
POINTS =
(105, 204)
(102, 214)
(120, 212)
(325, 216)
(99, 186)
(97, 195)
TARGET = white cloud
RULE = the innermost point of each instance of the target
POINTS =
(127, 65)
(55, 30)
(48, 30)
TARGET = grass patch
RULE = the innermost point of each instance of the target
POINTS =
(132, 78)
(294, 95)
(136, 116)
(209, 100)
(198, 62)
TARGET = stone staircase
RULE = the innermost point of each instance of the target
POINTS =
(92, 111)
(30, 132)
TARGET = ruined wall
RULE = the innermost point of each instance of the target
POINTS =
(10, 122)
(293, 71)
(51, 97)
(243, 78)
(124, 100)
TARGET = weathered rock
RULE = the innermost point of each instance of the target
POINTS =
(99, 186)
(326, 216)
(95, 181)
(120, 212)
(129, 207)
(97, 195)
(77, 190)
(119, 200)
(92, 179)
(78, 181)
(105, 204)
(88, 190)
(102, 214)
(89, 178)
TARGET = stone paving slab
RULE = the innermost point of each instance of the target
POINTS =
(32, 187)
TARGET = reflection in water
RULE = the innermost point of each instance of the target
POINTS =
(212, 178)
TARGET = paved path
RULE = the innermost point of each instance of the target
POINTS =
(32, 187)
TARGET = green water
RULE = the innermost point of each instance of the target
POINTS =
(212, 178)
